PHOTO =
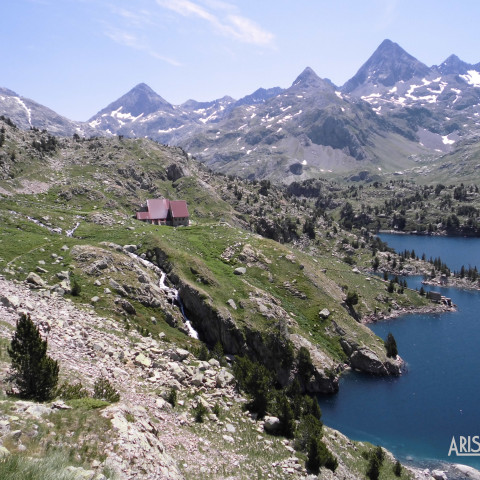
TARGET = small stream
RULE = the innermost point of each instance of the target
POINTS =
(172, 293)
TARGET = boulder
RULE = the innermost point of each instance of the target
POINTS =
(130, 248)
(468, 472)
(174, 172)
(240, 271)
(271, 425)
(439, 475)
(224, 378)
(35, 280)
(232, 303)
(197, 380)
(179, 354)
(10, 301)
(325, 313)
(64, 275)
(143, 361)
(37, 410)
(367, 361)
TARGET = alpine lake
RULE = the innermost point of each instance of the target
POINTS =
(416, 415)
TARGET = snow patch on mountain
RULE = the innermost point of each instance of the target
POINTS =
(472, 77)
(29, 112)
(124, 116)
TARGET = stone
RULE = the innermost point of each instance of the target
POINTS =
(130, 248)
(224, 378)
(197, 380)
(232, 303)
(41, 270)
(271, 424)
(468, 472)
(63, 275)
(143, 361)
(38, 410)
(95, 299)
(60, 405)
(325, 313)
(214, 362)
(240, 271)
(367, 361)
(65, 248)
(230, 428)
(439, 475)
(35, 280)
(179, 354)
(11, 301)
(127, 306)
(228, 439)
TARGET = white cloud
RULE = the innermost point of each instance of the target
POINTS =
(223, 17)
(128, 39)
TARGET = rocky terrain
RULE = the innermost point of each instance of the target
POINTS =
(262, 270)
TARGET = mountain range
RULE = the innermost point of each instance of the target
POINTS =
(394, 114)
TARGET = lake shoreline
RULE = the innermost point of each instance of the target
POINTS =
(427, 309)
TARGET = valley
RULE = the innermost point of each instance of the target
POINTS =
(280, 266)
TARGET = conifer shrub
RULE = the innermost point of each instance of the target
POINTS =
(199, 412)
(308, 427)
(104, 390)
(352, 299)
(375, 461)
(304, 364)
(34, 373)
(257, 381)
(319, 456)
(285, 414)
(172, 397)
(397, 469)
(72, 391)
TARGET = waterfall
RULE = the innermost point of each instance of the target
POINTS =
(175, 294)
(72, 231)
(172, 293)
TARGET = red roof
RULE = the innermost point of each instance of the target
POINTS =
(158, 208)
(143, 215)
(179, 208)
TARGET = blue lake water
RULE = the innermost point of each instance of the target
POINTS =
(416, 415)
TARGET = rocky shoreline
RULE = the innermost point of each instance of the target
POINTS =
(454, 282)
(429, 309)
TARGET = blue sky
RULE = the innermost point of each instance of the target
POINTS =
(76, 56)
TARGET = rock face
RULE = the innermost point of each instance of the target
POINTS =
(366, 360)
(217, 325)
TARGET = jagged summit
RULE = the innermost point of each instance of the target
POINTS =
(308, 79)
(454, 65)
(260, 95)
(389, 64)
(141, 99)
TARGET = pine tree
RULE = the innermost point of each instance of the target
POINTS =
(34, 372)
(391, 346)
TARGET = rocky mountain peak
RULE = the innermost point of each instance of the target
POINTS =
(141, 99)
(388, 65)
(309, 79)
(259, 96)
(454, 65)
